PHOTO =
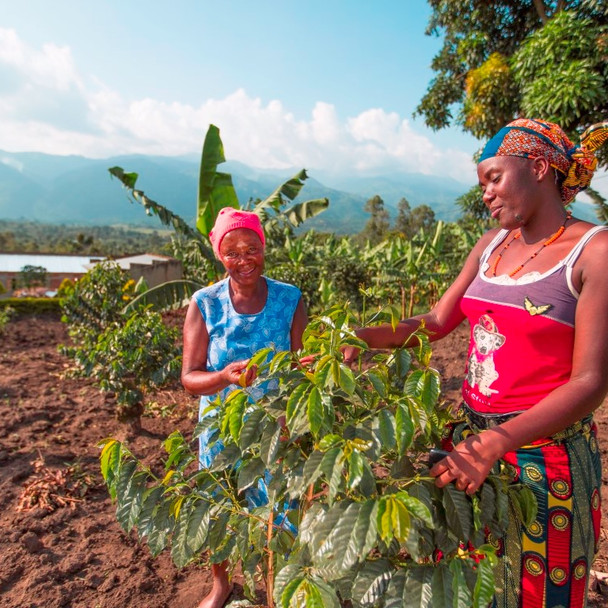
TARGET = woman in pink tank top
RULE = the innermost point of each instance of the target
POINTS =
(535, 292)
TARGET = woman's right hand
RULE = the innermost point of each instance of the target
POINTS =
(237, 373)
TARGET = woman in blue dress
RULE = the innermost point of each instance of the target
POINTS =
(226, 324)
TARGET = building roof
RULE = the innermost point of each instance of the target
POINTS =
(53, 264)
(145, 259)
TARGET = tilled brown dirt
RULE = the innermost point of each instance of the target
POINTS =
(70, 551)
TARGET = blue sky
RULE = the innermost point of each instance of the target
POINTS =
(328, 85)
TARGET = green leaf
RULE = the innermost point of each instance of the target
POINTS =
(151, 501)
(215, 190)
(250, 431)
(312, 467)
(198, 526)
(346, 379)
(379, 381)
(300, 212)
(123, 483)
(315, 411)
(416, 507)
(526, 501)
(260, 357)
(329, 441)
(412, 587)
(171, 295)
(393, 519)
(110, 459)
(404, 428)
(386, 429)
(485, 584)
(163, 526)
(128, 179)
(269, 444)
(332, 466)
(296, 402)
(250, 472)
(403, 362)
(129, 500)
(462, 595)
(441, 584)
(355, 469)
(350, 541)
(235, 411)
(372, 581)
(458, 512)
(181, 553)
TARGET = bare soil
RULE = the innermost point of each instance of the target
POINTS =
(60, 544)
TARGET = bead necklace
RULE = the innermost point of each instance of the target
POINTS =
(548, 242)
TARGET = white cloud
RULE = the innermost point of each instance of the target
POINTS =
(47, 106)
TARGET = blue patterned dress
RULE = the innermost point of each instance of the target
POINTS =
(234, 336)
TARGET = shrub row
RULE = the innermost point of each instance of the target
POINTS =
(32, 306)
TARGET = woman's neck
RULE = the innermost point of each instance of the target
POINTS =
(544, 224)
(248, 299)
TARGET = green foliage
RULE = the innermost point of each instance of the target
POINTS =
(132, 357)
(32, 237)
(409, 221)
(65, 289)
(486, 104)
(562, 72)
(346, 449)
(127, 354)
(6, 313)
(215, 189)
(96, 302)
(192, 246)
(32, 306)
(500, 60)
(32, 276)
(378, 224)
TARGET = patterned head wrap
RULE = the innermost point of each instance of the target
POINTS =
(532, 138)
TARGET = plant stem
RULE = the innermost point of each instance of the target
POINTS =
(270, 575)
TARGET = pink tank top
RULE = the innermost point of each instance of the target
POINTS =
(522, 333)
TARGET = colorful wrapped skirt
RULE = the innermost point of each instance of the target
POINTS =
(547, 564)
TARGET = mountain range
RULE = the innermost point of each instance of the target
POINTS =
(77, 190)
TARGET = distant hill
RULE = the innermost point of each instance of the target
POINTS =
(78, 190)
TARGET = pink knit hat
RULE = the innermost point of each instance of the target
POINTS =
(230, 219)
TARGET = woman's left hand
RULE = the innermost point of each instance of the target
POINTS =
(468, 464)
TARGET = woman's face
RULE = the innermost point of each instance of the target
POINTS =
(242, 254)
(507, 183)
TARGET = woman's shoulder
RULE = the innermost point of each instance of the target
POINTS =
(280, 286)
(210, 291)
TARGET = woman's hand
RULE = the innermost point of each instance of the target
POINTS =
(350, 354)
(469, 463)
(237, 373)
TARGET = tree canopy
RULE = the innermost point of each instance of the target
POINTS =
(534, 58)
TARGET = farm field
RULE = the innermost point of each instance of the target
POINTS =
(74, 553)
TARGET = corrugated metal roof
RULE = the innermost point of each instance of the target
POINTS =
(14, 262)
(147, 259)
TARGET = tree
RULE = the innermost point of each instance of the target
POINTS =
(404, 213)
(504, 59)
(409, 221)
(378, 224)
(32, 276)
(510, 58)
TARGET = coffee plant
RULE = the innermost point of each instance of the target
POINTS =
(126, 353)
(353, 516)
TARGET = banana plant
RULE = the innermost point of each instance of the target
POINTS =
(353, 515)
(215, 191)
